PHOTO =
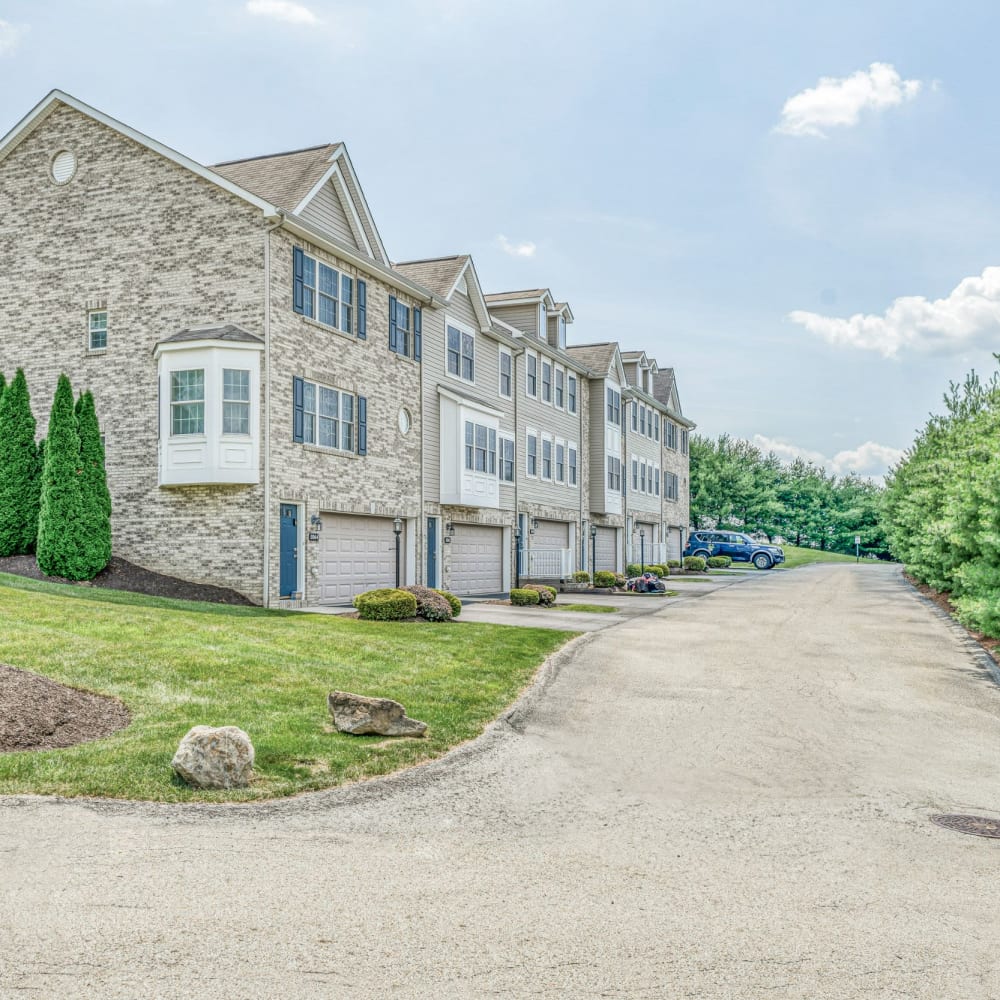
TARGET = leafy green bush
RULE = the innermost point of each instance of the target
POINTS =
(581, 576)
(673, 564)
(453, 601)
(546, 595)
(719, 562)
(632, 569)
(659, 569)
(386, 605)
(604, 578)
(20, 472)
(431, 606)
(522, 597)
(619, 580)
(694, 563)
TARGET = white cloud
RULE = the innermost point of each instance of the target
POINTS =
(10, 36)
(840, 101)
(516, 249)
(282, 10)
(968, 315)
(868, 459)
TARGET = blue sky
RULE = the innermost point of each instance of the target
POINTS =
(724, 185)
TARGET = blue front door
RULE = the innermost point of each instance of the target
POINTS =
(432, 552)
(289, 549)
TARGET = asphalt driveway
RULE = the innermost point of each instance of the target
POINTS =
(725, 799)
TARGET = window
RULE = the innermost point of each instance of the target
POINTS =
(187, 401)
(235, 401)
(506, 370)
(614, 407)
(546, 382)
(642, 477)
(642, 420)
(614, 473)
(323, 293)
(562, 333)
(480, 448)
(571, 393)
(97, 325)
(327, 417)
(560, 462)
(684, 442)
(531, 375)
(655, 422)
(635, 415)
(461, 354)
(572, 465)
(635, 474)
(656, 480)
(399, 327)
(560, 377)
(670, 490)
(532, 454)
(670, 434)
(546, 458)
(506, 464)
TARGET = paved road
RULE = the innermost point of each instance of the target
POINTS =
(678, 814)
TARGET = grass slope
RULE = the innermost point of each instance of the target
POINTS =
(177, 664)
(795, 556)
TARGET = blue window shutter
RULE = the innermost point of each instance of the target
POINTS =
(297, 410)
(393, 345)
(298, 291)
(362, 310)
(362, 425)
(416, 334)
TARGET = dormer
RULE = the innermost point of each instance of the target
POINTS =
(527, 310)
(559, 319)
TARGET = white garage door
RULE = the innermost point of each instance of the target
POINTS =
(357, 554)
(476, 560)
(674, 543)
(607, 549)
(551, 535)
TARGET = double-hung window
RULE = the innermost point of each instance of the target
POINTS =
(560, 392)
(572, 465)
(642, 420)
(187, 402)
(506, 463)
(327, 417)
(546, 458)
(480, 448)
(546, 382)
(655, 421)
(656, 480)
(531, 375)
(560, 462)
(670, 490)
(461, 354)
(97, 330)
(531, 453)
(635, 474)
(323, 293)
(614, 473)
(506, 373)
(642, 477)
(571, 394)
(670, 433)
(614, 407)
(235, 401)
(635, 415)
(684, 442)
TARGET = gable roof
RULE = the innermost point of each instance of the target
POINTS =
(597, 357)
(521, 297)
(442, 276)
(228, 333)
(284, 179)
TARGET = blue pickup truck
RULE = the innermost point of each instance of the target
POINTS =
(736, 545)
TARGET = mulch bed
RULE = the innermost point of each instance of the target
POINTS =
(39, 714)
(992, 646)
(120, 574)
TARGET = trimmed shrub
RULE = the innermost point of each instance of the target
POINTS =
(581, 576)
(619, 580)
(386, 605)
(431, 605)
(718, 562)
(546, 594)
(93, 487)
(673, 564)
(659, 569)
(604, 578)
(522, 597)
(694, 563)
(632, 569)
(20, 473)
(453, 601)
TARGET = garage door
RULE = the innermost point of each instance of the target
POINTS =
(357, 554)
(606, 547)
(674, 543)
(551, 535)
(476, 553)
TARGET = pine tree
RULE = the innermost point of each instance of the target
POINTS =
(61, 525)
(3, 384)
(19, 470)
(95, 496)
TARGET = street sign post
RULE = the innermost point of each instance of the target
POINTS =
(857, 548)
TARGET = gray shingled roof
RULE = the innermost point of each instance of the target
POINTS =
(283, 179)
(438, 274)
(663, 382)
(527, 293)
(596, 357)
(227, 332)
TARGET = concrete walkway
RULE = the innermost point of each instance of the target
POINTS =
(729, 799)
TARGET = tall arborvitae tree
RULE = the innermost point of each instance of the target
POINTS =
(61, 525)
(19, 470)
(3, 384)
(96, 498)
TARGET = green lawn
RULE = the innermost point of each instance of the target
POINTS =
(594, 609)
(177, 664)
(795, 556)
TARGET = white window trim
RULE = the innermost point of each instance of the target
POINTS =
(530, 432)
(463, 331)
(502, 437)
(555, 461)
(541, 381)
(541, 458)
(575, 396)
(556, 371)
(538, 374)
(336, 449)
(90, 331)
(501, 353)
(341, 274)
(572, 446)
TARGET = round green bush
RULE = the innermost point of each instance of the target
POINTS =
(456, 604)
(719, 562)
(581, 576)
(619, 580)
(632, 569)
(659, 569)
(673, 564)
(604, 578)
(522, 597)
(431, 606)
(386, 605)
(546, 594)
(694, 563)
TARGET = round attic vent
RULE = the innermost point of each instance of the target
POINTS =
(63, 166)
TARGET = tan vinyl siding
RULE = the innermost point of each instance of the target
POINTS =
(598, 462)
(359, 200)
(522, 317)
(326, 211)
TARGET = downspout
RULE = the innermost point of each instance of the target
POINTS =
(267, 407)
(518, 542)
(582, 553)
(626, 472)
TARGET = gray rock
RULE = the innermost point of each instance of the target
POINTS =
(211, 757)
(358, 715)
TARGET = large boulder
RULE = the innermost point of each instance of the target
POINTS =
(215, 757)
(358, 715)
